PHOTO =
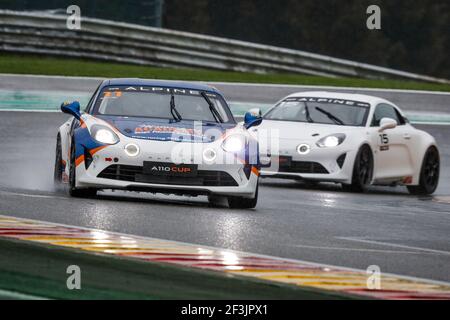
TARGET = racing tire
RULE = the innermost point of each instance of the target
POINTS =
(429, 174)
(73, 190)
(58, 171)
(243, 203)
(362, 171)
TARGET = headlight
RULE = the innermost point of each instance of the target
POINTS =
(103, 134)
(209, 155)
(331, 141)
(234, 143)
(132, 149)
(303, 148)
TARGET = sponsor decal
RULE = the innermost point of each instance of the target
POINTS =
(145, 128)
(159, 90)
(112, 94)
(384, 148)
(165, 133)
(169, 169)
(173, 169)
(330, 100)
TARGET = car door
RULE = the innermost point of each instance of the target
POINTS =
(391, 147)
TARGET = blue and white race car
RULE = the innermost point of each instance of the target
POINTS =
(158, 137)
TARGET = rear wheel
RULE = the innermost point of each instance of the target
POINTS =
(362, 171)
(73, 190)
(58, 171)
(429, 174)
(243, 203)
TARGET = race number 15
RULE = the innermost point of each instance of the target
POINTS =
(384, 139)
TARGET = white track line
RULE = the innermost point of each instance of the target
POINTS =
(355, 249)
(19, 296)
(243, 84)
(26, 110)
(31, 195)
(50, 76)
(441, 252)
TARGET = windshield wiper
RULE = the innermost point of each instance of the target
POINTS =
(331, 116)
(173, 110)
(213, 109)
(307, 114)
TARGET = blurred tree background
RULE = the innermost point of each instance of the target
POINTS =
(145, 12)
(414, 35)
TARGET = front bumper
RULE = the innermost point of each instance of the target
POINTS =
(240, 180)
(320, 164)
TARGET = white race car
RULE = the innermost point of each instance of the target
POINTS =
(352, 139)
(157, 136)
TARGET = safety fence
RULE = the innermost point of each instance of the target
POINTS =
(47, 34)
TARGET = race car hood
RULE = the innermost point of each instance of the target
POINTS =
(168, 130)
(290, 130)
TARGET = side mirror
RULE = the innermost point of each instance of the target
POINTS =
(72, 108)
(387, 123)
(252, 118)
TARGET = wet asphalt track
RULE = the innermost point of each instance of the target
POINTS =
(386, 227)
(255, 93)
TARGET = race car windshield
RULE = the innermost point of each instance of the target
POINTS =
(152, 103)
(324, 112)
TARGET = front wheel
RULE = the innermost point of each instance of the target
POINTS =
(429, 174)
(243, 203)
(73, 190)
(362, 171)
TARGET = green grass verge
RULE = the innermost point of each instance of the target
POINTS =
(29, 64)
